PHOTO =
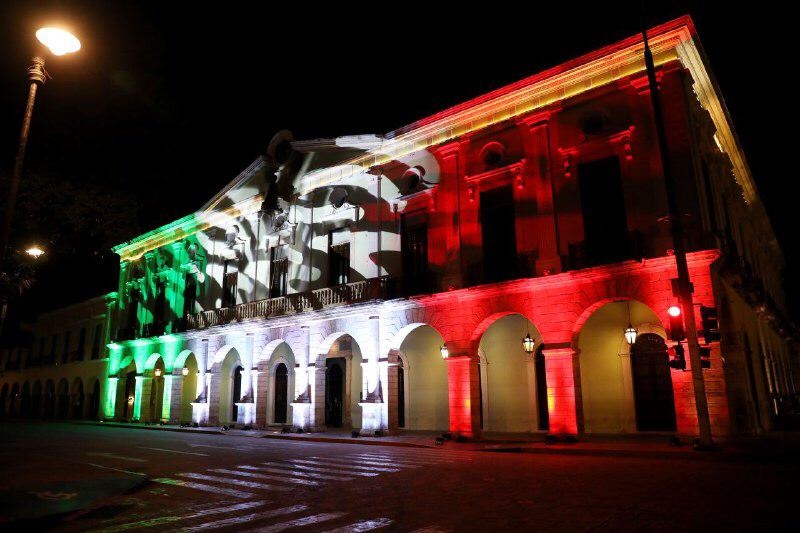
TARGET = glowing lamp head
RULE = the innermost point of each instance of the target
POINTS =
(185, 371)
(631, 334)
(35, 252)
(528, 344)
(60, 42)
(445, 352)
(674, 310)
(157, 372)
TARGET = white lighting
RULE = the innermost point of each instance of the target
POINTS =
(35, 252)
(445, 351)
(630, 334)
(59, 41)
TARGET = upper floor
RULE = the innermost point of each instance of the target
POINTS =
(557, 172)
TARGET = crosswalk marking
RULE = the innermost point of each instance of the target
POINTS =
(363, 525)
(338, 462)
(172, 451)
(301, 522)
(161, 520)
(247, 518)
(201, 486)
(289, 469)
(402, 463)
(265, 476)
(301, 466)
(241, 483)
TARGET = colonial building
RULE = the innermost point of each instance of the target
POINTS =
(386, 282)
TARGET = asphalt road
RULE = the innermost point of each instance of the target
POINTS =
(118, 479)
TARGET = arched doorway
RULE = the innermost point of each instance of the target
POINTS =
(606, 366)
(422, 389)
(62, 400)
(49, 399)
(25, 401)
(511, 382)
(652, 384)
(129, 398)
(156, 400)
(93, 412)
(36, 400)
(3, 400)
(77, 399)
(342, 384)
(188, 387)
(13, 401)
(230, 388)
(281, 394)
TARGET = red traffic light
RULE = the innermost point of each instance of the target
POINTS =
(674, 311)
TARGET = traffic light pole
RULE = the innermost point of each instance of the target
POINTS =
(684, 285)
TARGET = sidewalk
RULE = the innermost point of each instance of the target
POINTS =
(776, 447)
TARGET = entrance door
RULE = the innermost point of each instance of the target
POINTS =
(281, 394)
(401, 394)
(334, 391)
(652, 384)
(540, 372)
(130, 391)
(236, 393)
(499, 234)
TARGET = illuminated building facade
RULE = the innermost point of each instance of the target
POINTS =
(387, 282)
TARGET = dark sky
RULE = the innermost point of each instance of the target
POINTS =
(168, 101)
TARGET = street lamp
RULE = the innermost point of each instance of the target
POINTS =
(59, 42)
(528, 344)
(185, 371)
(35, 252)
(444, 351)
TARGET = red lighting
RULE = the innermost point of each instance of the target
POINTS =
(674, 310)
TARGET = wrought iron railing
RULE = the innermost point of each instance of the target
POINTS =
(360, 291)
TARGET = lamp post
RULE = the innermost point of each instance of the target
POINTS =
(59, 42)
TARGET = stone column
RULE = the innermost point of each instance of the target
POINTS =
(372, 406)
(392, 391)
(200, 404)
(174, 388)
(109, 405)
(146, 390)
(138, 397)
(560, 368)
(246, 407)
(463, 380)
(301, 406)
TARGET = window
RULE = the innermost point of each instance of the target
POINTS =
(53, 344)
(189, 294)
(41, 347)
(605, 226)
(97, 340)
(65, 354)
(158, 307)
(279, 272)
(414, 253)
(133, 312)
(81, 344)
(492, 155)
(498, 230)
(229, 282)
(338, 257)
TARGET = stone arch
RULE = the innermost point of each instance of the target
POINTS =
(180, 360)
(190, 387)
(606, 398)
(226, 377)
(36, 399)
(278, 392)
(153, 389)
(510, 385)
(126, 362)
(151, 361)
(77, 398)
(326, 399)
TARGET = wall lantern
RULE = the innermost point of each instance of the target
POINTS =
(185, 371)
(130, 400)
(157, 372)
(630, 334)
(445, 351)
(528, 344)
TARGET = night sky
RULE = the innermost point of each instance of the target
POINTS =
(168, 101)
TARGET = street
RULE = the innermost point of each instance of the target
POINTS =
(158, 480)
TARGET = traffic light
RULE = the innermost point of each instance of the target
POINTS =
(677, 359)
(705, 357)
(710, 321)
(676, 331)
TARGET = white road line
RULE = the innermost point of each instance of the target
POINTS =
(354, 464)
(202, 486)
(226, 448)
(397, 460)
(298, 463)
(363, 525)
(161, 520)
(247, 518)
(301, 522)
(118, 469)
(377, 461)
(265, 476)
(289, 469)
(172, 451)
(114, 456)
(218, 479)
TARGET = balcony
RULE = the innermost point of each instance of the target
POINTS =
(351, 293)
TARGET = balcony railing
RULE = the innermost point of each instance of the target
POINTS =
(360, 291)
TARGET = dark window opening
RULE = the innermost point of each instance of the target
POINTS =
(338, 262)
(281, 403)
(53, 344)
(81, 344)
(189, 295)
(401, 394)
(41, 347)
(159, 308)
(236, 394)
(65, 354)
(229, 282)
(492, 155)
(97, 340)
(542, 407)
(499, 234)
(279, 275)
(334, 391)
(605, 226)
(414, 252)
(132, 326)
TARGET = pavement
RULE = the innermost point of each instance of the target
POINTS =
(777, 446)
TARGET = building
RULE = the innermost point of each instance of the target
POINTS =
(386, 282)
(63, 374)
